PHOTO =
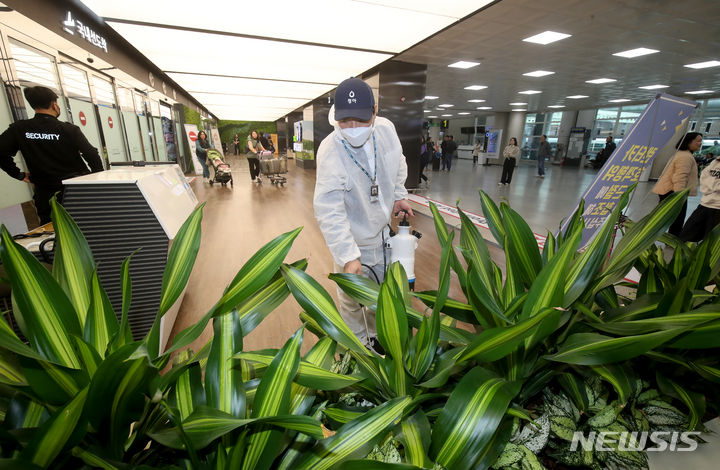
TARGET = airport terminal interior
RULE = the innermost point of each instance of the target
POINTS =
(142, 80)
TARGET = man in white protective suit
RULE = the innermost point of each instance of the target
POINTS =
(360, 184)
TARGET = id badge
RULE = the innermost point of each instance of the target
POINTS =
(374, 192)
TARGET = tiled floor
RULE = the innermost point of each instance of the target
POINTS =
(543, 203)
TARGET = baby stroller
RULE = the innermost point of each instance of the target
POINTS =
(223, 174)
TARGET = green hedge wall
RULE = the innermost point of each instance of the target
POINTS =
(192, 117)
(228, 129)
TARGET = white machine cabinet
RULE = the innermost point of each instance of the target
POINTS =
(125, 209)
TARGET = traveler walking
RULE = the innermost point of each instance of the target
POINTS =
(544, 152)
(511, 154)
(254, 147)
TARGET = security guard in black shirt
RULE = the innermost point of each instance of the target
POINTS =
(52, 150)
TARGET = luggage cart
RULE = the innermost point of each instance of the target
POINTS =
(274, 169)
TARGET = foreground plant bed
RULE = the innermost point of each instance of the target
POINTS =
(558, 350)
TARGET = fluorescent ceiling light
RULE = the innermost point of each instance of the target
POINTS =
(538, 73)
(432, 116)
(556, 106)
(601, 80)
(476, 101)
(653, 87)
(464, 64)
(344, 22)
(447, 115)
(445, 105)
(529, 92)
(519, 109)
(698, 92)
(577, 97)
(430, 97)
(463, 113)
(547, 37)
(475, 87)
(621, 100)
(484, 108)
(632, 53)
(426, 111)
(704, 65)
(518, 104)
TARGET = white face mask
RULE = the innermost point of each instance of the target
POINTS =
(357, 136)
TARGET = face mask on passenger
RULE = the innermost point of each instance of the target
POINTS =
(357, 136)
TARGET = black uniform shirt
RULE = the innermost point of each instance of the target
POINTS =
(52, 150)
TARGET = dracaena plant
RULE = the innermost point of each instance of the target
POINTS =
(556, 317)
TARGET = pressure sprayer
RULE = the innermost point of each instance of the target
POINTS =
(402, 248)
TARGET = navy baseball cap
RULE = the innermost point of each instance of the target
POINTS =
(354, 99)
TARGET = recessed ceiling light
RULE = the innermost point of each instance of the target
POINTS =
(556, 106)
(464, 64)
(447, 115)
(698, 92)
(445, 105)
(519, 109)
(577, 97)
(704, 65)
(426, 111)
(484, 108)
(518, 104)
(463, 113)
(432, 116)
(476, 101)
(475, 87)
(621, 100)
(529, 92)
(547, 37)
(640, 51)
(653, 87)
(538, 73)
(430, 97)
(601, 80)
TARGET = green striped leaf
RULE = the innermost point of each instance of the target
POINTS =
(415, 437)
(272, 399)
(549, 248)
(486, 308)
(392, 329)
(189, 392)
(355, 438)
(368, 464)
(493, 218)
(575, 223)
(513, 287)
(47, 314)
(50, 439)
(469, 419)
(181, 259)
(586, 266)
(548, 290)
(88, 355)
(258, 270)
(444, 239)
(315, 300)
(454, 308)
(575, 389)
(321, 355)
(300, 445)
(495, 343)
(594, 349)
(342, 416)
(10, 341)
(263, 302)
(424, 345)
(308, 374)
(694, 401)
(702, 337)
(10, 371)
(73, 264)
(254, 274)
(101, 323)
(475, 249)
(124, 334)
(693, 319)
(207, 424)
(621, 377)
(521, 244)
(93, 460)
(223, 382)
(52, 383)
(641, 236)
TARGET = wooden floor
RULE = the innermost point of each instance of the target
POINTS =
(238, 221)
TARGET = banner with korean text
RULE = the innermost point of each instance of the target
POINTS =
(662, 119)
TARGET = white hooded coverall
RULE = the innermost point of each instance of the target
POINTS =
(352, 225)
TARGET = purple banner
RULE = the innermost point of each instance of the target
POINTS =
(663, 117)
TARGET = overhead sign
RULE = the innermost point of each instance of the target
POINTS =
(83, 119)
(664, 117)
(73, 26)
